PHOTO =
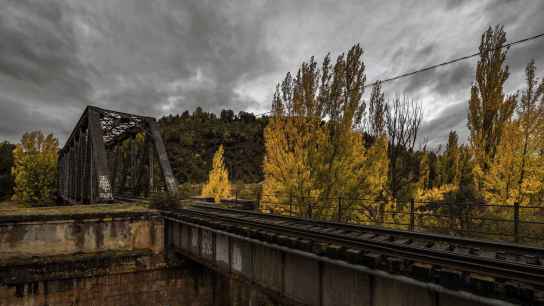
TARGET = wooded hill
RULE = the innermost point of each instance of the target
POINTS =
(192, 139)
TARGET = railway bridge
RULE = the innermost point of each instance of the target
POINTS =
(332, 264)
(111, 155)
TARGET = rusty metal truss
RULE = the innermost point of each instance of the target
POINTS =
(113, 155)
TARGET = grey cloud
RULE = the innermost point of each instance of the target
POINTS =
(520, 19)
(453, 117)
(443, 81)
(191, 53)
(17, 118)
(165, 56)
(454, 4)
(38, 46)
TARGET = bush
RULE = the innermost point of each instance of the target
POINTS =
(6, 163)
(163, 200)
(187, 190)
(35, 169)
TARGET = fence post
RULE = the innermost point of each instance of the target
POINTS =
(412, 216)
(516, 222)
(450, 215)
(339, 210)
(468, 221)
(258, 200)
(236, 196)
(290, 204)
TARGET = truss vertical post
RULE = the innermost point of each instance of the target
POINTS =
(84, 166)
(99, 157)
(77, 166)
(151, 154)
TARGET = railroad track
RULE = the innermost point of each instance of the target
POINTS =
(501, 250)
(490, 268)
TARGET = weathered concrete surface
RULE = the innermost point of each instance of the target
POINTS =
(111, 256)
(27, 235)
(301, 279)
(304, 278)
(17, 271)
(344, 287)
(188, 284)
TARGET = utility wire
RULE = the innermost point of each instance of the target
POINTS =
(452, 61)
(508, 45)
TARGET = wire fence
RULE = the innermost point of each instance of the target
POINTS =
(512, 223)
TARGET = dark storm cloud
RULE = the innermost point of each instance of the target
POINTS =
(443, 81)
(189, 54)
(165, 56)
(149, 57)
(17, 118)
(520, 19)
(38, 47)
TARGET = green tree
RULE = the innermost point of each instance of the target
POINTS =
(35, 168)
(6, 163)
(218, 185)
(192, 139)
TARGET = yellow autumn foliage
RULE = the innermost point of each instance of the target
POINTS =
(218, 185)
(35, 168)
(316, 163)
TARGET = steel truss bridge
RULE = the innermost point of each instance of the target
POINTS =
(113, 155)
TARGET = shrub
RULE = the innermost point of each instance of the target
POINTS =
(163, 200)
(35, 168)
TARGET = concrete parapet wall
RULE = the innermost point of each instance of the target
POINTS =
(62, 234)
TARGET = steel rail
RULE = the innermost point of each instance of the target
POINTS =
(460, 241)
(524, 273)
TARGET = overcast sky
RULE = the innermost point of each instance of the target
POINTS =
(156, 57)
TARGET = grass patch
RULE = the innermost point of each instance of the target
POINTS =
(11, 209)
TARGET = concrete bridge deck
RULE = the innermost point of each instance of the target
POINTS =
(319, 263)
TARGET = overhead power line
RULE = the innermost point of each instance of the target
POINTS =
(407, 74)
(452, 61)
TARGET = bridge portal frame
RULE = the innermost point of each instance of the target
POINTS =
(84, 171)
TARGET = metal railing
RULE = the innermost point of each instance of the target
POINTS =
(513, 223)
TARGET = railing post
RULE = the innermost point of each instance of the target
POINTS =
(516, 222)
(450, 215)
(236, 196)
(468, 221)
(290, 204)
(412, 216)
(258, 200)
(339, 210)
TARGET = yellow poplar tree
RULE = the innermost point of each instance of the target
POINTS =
(516, 174)
(35, 168)
(315, 154)
(376, 182)
(531, 122)
(218, 185)
(489, 108)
